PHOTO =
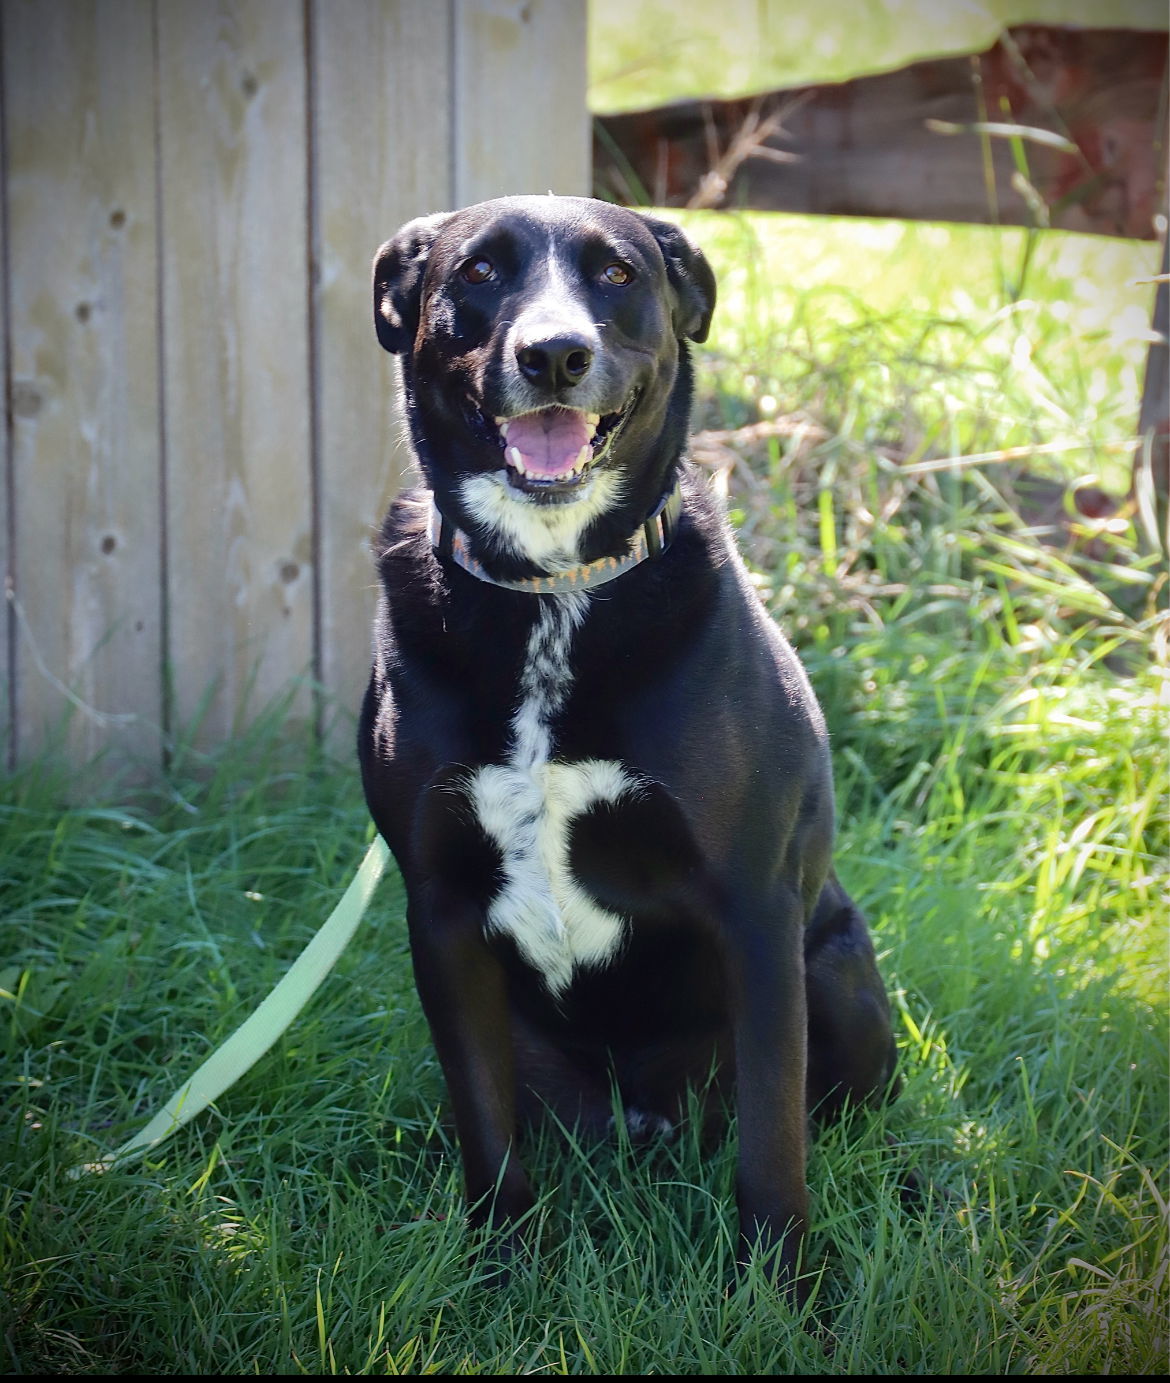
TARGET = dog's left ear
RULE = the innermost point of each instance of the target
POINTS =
(689, 275)
(399, 268)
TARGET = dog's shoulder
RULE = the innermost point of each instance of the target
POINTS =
(729, 605)
(413, 587)
(403, 551)
(405, 526)
(711, 550)
(702, 543)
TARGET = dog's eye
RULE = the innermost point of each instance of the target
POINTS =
(617, 273)
(476, 270)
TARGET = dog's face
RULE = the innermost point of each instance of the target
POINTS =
(544, 366)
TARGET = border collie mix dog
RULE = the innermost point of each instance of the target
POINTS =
(599, 766)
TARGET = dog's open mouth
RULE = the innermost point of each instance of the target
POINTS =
(548, 452)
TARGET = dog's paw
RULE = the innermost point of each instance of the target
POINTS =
(644, 1126)
(769, 1263)
(916, 1191)
(753, 1281)
(504, 1252)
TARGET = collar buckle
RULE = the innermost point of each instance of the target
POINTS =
(659, 529)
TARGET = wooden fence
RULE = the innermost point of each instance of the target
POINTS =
(201, 430)
(936, 140)
(1084, 110)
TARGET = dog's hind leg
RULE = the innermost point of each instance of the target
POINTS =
(851, 1051)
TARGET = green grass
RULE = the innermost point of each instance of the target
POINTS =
(994, 680)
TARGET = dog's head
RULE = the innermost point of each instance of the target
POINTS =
(545, 367)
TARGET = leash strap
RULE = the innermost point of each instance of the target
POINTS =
(256, 1034)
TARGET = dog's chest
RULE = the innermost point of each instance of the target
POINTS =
(527, 805)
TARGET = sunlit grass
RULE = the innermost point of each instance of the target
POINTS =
(995, 687)
(930, 338)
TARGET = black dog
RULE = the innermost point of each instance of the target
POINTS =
(598, 764)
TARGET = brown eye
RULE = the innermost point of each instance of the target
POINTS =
(477, 270)
(617, 273)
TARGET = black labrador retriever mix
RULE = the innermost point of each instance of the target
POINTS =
(599, 765)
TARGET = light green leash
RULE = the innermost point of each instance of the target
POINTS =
(257, 1033)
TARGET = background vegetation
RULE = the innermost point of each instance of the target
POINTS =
(902, 416)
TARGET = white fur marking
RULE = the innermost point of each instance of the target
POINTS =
(548, 535)
(527, 806)
(642, 1124)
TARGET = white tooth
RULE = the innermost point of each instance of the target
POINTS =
(500, 421)
(590, 429)
(502, 424)
(592, 419)
(516, 457)
(584, 456)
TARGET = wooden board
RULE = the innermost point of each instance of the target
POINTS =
(234, 197)
(646, 53)
(381, 68)
(203, 431)
(1154, 421)
(876, 146)
(7, 615)
(84, 395)
(521, 121)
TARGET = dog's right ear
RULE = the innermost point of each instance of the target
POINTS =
(399, 267)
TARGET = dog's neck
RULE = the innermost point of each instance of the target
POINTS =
(650, 541)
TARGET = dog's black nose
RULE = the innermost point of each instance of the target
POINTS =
(556, 362)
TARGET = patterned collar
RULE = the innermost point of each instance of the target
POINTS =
(651, 540)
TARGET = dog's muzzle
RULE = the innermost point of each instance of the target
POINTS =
(548, 452)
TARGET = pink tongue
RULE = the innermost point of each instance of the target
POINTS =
(549, 441)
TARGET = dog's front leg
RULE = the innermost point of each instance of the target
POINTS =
(463, 991)
(770, 1060)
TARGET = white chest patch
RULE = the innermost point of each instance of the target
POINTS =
(527, 805)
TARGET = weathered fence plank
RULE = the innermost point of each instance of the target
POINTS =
(519, 98)
(374, 168)
(202, 431)
(7, 615)
(84, 398)
(239, 521)
(1154, 420)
